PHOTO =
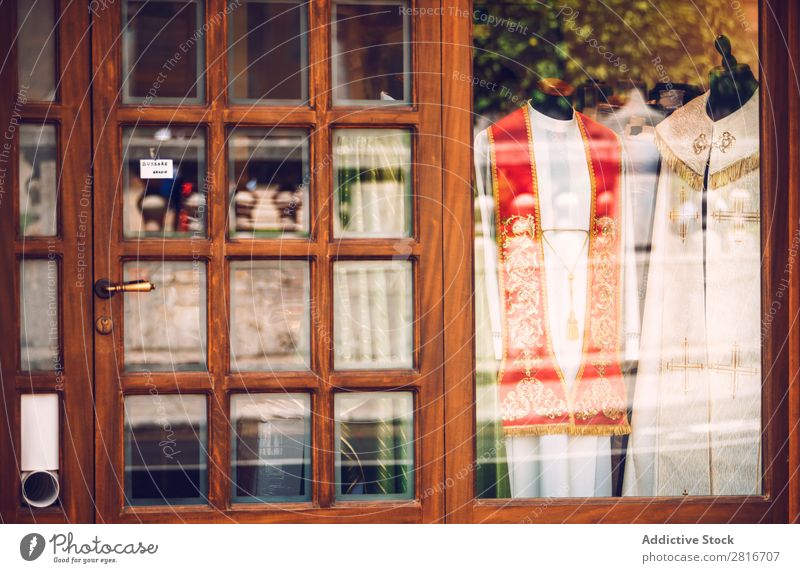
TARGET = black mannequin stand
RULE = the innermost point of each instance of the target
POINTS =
(553, 98)
(732, 83)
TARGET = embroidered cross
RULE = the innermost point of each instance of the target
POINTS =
(684, 365)
(738, 216)
(681, 217)
(734, 368)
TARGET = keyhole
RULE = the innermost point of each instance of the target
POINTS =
(104, 325)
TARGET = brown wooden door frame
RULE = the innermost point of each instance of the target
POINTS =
(71, 248)
(425, 250)
(781, 395)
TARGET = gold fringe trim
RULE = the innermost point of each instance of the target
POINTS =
(735, 171)
(568, 429)
(676, 164)
(731, 173)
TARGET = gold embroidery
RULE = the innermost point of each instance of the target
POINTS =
(523, 296)
(725, 141)
(738, 215)
(529, 396)
(700, 144)
(601, 398)
(685, 365)
(681, 216)
(734, 368)
(603, 321)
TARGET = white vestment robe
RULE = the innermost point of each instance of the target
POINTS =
(696, 412)
(554, 465)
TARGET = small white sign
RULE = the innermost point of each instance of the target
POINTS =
(155, 169)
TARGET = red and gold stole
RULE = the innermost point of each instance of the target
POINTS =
(534, 396)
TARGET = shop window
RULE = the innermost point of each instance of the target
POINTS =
(617, 249)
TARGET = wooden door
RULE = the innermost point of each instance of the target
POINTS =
(46, 256)
(264, 245)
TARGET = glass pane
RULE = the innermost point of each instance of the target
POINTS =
(36, 50)
(169, 201)
(38, 320)
(271, 447)
(374, 445)
(373, 183)
(166, 455)
(267, 52)
(162, 51)
(618, 328)
(269, 176)
(165, 329)
(270, 315)
(373, 313)
(37, 180)
(371, 52)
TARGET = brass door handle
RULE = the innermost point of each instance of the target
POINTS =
(104, 288)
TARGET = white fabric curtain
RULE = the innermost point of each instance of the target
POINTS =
(373, 306)
(373, 312)
(372, 169)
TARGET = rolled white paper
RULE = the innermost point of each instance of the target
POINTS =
(39, 432)
(40, 488)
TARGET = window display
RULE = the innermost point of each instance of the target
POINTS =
(617, 257)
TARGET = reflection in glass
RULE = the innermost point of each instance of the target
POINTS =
(373, 312)
(267, 52)
(162, 52)
(371, 52)
(166, 450)
(38, 321)
(374, 445)
(37, 180)
(633, 371)
(174, 206)
(270, 314)
(165, 329)
(269, 176)
(36, 50)
(373, 183)
(271, 447)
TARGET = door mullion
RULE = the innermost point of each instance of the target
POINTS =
(217, 318)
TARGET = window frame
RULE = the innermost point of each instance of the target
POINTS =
(780, 208)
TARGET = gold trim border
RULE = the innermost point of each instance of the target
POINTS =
(568, 429)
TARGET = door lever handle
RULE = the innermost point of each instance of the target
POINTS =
(104, 288)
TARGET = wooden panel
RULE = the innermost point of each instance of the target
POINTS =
(624, 510)
(793, 230)
(280, 513)
(458, 265)
(775, 189)
(73, 251)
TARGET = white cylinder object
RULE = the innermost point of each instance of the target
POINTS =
(40, 488)
(39, 439)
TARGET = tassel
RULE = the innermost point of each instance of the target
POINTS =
(572, 326)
